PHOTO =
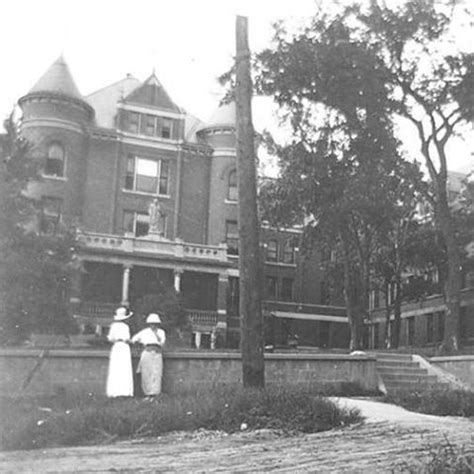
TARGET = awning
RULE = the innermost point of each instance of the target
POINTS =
(310, 317)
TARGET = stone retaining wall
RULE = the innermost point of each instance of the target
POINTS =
(86, 370)
(460, 366)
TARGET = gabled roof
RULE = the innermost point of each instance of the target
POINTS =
(152, 93)
(57, 79)
(104, 101)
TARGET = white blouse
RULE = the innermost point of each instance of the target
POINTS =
(150, 336)
(118, 332)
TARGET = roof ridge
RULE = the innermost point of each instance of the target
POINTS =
(128, 76)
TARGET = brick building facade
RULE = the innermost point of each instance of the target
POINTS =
(153, 194)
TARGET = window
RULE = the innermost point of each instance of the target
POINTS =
(166, 128)
(147, 125)
(289, 252)
(147, 176)
(324, 294)
(51, 215)
(271, 287)
(287, 289)
(272, 251)
(430, 328)
(132, 122)
(232, 190)
(55, 161)
(138, 223)
(374, 299)
(440, 316)
(232, 237)
(410, 330)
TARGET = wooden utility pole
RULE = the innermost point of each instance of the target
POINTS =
(251, 320)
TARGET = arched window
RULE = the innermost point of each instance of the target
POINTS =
(232, 193)
(272, 251)
(55, 161)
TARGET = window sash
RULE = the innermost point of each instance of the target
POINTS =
(287, 289)
(272, 251)
(147, 175)
(288, 253)
(232, 189)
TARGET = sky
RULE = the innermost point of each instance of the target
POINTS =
(188, 44)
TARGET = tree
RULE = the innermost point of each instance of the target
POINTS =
(369, 62)
(35, 268)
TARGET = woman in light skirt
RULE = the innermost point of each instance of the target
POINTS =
(150, 366)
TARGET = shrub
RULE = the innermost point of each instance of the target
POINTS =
(88, 420)
(445, 458)
(435, 401)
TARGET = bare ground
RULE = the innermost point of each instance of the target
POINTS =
(391, 440)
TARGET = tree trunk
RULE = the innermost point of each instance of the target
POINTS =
(397, 313)
(354, 310)
(452, 291)
(252, 341)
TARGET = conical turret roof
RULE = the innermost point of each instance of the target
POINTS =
(57, 79)
(223, 116)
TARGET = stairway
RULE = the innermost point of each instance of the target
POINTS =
(399, 372)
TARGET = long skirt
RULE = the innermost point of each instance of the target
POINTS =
(120, 375)
(151, 369)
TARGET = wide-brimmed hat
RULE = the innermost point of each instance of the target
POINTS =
(121, 314)
(153, 318)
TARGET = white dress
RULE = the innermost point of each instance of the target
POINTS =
(120, 375)
(151, 361)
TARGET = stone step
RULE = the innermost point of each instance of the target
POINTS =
(403, 378)
(398, 387)
(391, 356)
(401, 365)
(391, 369)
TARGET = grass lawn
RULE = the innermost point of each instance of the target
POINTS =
(69, 420)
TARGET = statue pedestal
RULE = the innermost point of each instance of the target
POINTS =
(153, 235)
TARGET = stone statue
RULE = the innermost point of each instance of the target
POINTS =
(155, 215)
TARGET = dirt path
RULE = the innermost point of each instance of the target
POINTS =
(389, 440)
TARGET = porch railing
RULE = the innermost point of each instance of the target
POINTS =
(201, 317)
(130, 244)
(101, 313)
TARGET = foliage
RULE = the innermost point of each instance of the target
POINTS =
(341, 81)
(35, 268)
(66, 421)
(445, 458)
(435, 401)
(166, 302)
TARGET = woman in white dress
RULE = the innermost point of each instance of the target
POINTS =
(151, 361)
(120, 375)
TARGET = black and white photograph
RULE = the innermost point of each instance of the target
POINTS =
(237, 236)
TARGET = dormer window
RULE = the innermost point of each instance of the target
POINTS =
(150, 125)
(166, 127)
(232, 191)
(133, 122)
(55, 159)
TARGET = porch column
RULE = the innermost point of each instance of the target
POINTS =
(75, 282)
(222, 286)
(177, 279)
(126, 283)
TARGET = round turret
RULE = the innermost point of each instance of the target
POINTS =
(55, 119)
(219, 130)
